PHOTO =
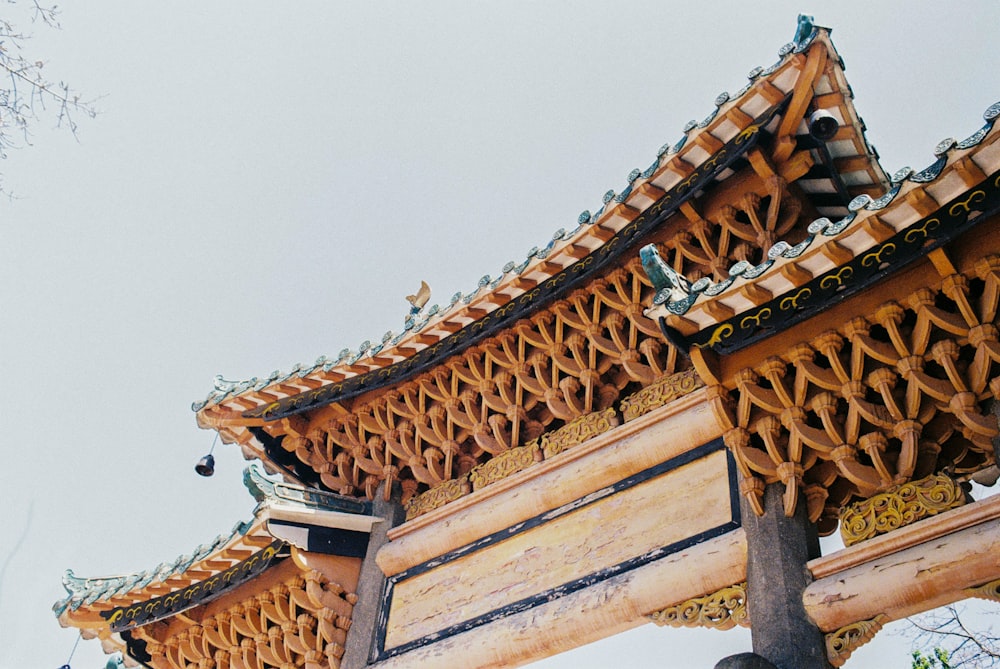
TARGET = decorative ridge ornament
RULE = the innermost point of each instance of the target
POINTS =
(266, 491)
(419, 299)
(804, 32)
(670, 285)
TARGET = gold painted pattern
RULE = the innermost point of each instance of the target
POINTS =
(578, 431)
(505, 464)
(846, 640)
(660, 393)
(721, 610)
(438, 496)
(898, 507)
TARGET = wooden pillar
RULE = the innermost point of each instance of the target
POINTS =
(778, 548)
(371, 584)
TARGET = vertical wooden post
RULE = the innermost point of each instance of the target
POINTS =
(778, 548)
(371, 584)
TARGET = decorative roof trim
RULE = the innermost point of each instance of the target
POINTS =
(150, 611)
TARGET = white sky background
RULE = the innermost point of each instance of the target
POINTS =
(267, 182)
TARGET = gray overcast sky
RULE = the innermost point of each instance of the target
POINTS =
(268, 181)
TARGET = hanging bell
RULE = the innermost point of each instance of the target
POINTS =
(206, 466)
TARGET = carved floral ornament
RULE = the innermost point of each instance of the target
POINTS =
(843, 642)
(726, 608)
(883, 400)
(722, 610)
(899, 506)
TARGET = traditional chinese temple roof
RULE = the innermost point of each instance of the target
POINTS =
(771, 209)
(708, 153)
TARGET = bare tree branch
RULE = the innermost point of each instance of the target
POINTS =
(945, 628)
(29, 95)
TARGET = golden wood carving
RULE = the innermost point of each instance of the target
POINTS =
(579, 356)
(438, 496)
(846, 640)
(899, 506)
(887, 398)
(990, 591)
(578, 431)
(505, 464)
(659, 393)
(720, 610)
(302, 622)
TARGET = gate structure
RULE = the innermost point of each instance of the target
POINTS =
(760, 339)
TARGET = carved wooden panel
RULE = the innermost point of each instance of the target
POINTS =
(889, 397)
(301, 622)
(638, 520)
(576, 358)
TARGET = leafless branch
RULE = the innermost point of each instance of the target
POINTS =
(30, 96)
(968, 648)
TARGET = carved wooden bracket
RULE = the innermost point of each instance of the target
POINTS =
(301, 622)
(892, 396)
(846, 640)
(720, 610)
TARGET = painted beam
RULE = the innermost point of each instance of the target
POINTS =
(910, 570)
(605, 609)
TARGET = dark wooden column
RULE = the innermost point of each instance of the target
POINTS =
(371, 584)
(778, 548)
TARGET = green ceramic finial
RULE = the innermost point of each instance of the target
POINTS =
(669, 285)
(804, 30)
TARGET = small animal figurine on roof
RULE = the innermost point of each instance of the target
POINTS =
(669, 284)
(804, 30)
(419, 300)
